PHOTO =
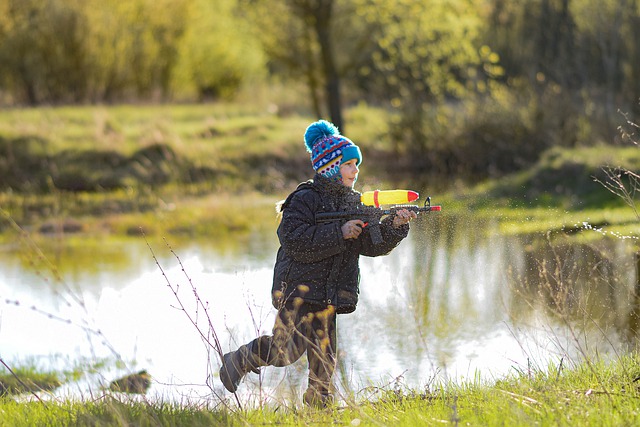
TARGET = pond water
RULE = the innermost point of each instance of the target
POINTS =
(456, 301)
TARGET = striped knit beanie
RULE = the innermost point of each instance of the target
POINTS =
(329, 149)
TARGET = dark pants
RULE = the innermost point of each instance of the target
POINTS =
(299, 329)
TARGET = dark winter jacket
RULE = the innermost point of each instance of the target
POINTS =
(315, 262)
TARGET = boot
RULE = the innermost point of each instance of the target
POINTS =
(235, 365)
(317, 399)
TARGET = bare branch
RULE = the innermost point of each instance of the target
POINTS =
(209, 335)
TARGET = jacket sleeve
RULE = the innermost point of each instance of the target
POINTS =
(301, 238)
(391, 237)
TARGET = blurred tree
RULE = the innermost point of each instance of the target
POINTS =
(514, 30)
(14, 55)
(587, 47)
(425, 53)
(41, 51)
(608, 38)
(288, 44)
(99, 50)
(134, 47)
(218, 54)
(110, 57)
(631, 35)
(315, 41)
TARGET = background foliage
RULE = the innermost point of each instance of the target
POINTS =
(476, 88)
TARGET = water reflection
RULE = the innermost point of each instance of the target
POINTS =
(456, 301)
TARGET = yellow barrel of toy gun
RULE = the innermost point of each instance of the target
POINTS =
(388, 197)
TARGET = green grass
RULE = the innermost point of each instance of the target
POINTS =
(596, 393)
(563, 178)
(558, 194)
(27, 380)
(241, 142)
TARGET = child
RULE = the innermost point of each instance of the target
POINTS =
(316, 274)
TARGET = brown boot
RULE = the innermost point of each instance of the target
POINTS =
(235, 365)
(317, 399)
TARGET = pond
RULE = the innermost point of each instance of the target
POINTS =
(457, 301)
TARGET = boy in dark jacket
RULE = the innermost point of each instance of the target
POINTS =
(316, 274)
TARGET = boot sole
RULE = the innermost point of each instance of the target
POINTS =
(224, 374)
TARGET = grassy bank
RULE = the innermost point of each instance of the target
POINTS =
(202, 147)
(166, 169)
(170, 169)
(594, 393)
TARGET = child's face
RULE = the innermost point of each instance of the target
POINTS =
(349, 171)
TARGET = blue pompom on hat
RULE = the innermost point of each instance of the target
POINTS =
(329, 149)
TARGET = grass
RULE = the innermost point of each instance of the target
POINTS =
(562, 178)
(125, 167)
(27, 380)
(596, 392)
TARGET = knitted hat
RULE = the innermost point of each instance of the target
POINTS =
(329, 149)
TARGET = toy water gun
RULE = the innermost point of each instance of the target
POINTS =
(371, 213)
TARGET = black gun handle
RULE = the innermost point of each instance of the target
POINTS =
(376, 235)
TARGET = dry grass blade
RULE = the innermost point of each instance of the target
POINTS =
(25, 386)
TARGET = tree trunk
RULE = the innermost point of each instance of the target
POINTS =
(312, 77)
(323, 13)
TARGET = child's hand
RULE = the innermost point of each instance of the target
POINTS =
(403, 216)
(352, 229)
